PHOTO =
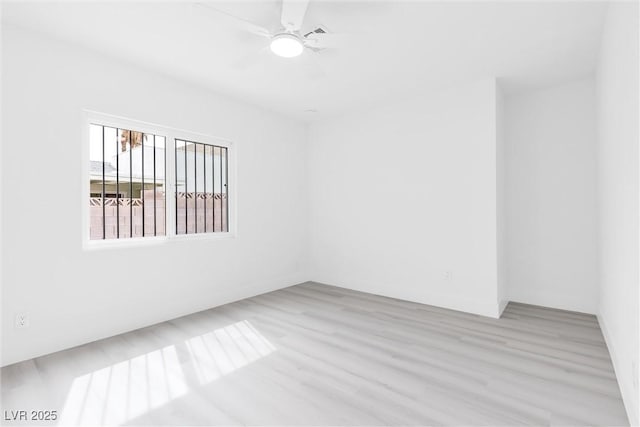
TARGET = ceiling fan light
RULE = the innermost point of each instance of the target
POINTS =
(286, 45)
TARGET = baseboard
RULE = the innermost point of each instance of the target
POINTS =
(451, 302)
(553, 301)
(501, 306)
(629, 403)
(221, 298)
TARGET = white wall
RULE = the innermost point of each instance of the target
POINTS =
(617, 117)
(406, 192)
(501, 203)
(551, 197)
(75, 296)
(1, 162)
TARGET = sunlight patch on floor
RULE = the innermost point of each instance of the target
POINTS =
(227, 349)
(123, 391)
(131, 388)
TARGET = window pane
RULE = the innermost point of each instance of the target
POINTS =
(111, 182)
(208, 179)
(225, 190)
(181, 189)
(137, 207)
(217, 184)
(160, 186)
(201, 187)
(190, 186)
(96, 179)
(122, 183)
(200, 190)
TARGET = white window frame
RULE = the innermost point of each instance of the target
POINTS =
(170, 134)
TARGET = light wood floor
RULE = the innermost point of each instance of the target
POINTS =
(319, 355)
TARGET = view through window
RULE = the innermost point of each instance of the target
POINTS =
(127, 183)
(201, 187)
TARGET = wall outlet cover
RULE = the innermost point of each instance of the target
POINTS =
(22, 320)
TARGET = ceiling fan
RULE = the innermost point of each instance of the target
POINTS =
(287, 41)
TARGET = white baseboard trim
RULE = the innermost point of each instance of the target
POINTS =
(451, 302)
(552, 301)
(629, 404)
(501, 306)
(221, 298)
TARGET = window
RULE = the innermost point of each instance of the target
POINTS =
(148, 181)
(201, 188)
(127, 183)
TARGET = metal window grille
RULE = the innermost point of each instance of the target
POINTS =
(127, 183)
(202, 190)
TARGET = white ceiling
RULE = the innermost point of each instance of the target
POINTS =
(394, 48)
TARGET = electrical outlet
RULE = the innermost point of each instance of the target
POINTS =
(22, 320)
(448, 275)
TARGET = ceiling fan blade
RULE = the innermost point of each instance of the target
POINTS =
(293, 12)
(235, 21)
(326, 40)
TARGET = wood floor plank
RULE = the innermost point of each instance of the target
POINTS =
(317, 355)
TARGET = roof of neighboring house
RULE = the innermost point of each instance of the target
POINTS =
(95, 168)
(95, 172)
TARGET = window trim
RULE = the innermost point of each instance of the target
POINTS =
(170, 134)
